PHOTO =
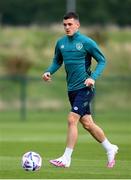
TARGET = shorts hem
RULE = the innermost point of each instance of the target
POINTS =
(82, 114)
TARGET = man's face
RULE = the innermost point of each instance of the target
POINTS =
(71, 26)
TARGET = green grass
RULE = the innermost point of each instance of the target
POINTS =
(45, 133)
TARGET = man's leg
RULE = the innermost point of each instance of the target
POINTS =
(99, 135)
(72, 134)
(92, 128)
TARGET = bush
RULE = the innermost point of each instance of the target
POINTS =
(17, 65)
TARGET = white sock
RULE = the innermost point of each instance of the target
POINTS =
(68, 153)
(107, 145)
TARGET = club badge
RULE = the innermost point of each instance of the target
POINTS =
(79, 46)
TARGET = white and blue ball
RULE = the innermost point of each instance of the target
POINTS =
(31, 161)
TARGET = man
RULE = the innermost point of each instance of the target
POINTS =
(76, 51)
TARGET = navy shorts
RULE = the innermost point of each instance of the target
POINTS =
(80, 100)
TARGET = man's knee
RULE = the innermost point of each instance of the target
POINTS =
(87, 122)
(73, 119)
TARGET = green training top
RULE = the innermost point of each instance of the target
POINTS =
(76, 52)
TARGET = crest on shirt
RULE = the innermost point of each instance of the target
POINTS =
(62, 46)
(79, 46)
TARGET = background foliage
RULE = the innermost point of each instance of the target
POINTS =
(25, 12)
(29, 51)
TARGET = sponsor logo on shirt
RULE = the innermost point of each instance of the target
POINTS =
(79, 46)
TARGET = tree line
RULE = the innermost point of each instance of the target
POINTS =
(26, 12)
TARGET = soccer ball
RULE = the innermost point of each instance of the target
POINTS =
(31, 161)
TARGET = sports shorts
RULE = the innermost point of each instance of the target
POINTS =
(80, 100)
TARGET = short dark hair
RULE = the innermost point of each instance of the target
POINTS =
(71, 15)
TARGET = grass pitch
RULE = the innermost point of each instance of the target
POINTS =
(45, 133)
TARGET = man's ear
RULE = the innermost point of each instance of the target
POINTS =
(78, 24)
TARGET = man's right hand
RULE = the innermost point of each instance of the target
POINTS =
(46, 76)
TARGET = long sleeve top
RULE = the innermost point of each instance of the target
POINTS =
(77, 52)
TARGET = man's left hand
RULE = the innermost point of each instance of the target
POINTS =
(89, 82)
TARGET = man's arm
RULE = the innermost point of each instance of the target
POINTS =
(96, 53)
(56, 64)
(101, 62)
